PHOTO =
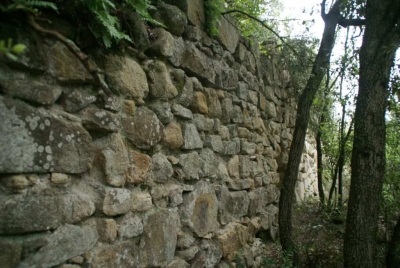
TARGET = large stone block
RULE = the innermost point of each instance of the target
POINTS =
(173, 136)
(190, 164)
(158, 242)
(228, 33)
(232, 205)
(124, 254)
(100, 120)
(214, 106)
(172, 17)
(35, 140)
(161, 168)
(117, 201)
(139, 168)
(194, 10)
(191, 137)
(160, 82)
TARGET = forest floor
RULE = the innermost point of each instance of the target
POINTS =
(319, 236)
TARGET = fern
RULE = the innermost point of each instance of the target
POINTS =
(28, 6)
(142, 7)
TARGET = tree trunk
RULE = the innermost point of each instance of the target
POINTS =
(368, 159)
(320, 163)
(393, 255)
(303, 114)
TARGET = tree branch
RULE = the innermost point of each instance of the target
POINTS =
(90, 65)
(351, 22)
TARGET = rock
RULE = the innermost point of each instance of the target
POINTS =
(227, 110)
(141, 201)
(273, 194)
(199, 210)
(245, 165)
(129, 226)
(161, 86)
(35, 140)
(237, 117)
(173, 136)
(190, 164)
(26, 213)
(225, 77)
(194, 9)
(144, 129)
(31, 91)
(59, 178)
(65, 243)
(191, 137)
(107, 230)
(163, 45)
(172, 17)
(158, 241)
(185, 97)
(113, 158)
(223, 131)
(187, 254)
(213, 253)
(163, 111)
(208, 168)
(161, 168)
(247, 147)
(126, 77)
(17, 182)
(112, 103)
(233, 167)
(139, 168)
(231, 147)
(128, 107)
(65, 66)
(77, 100)
(181, 111)
(232, 238)
(124, 254)
(228, 33)
(258, 201)
(100, 120)
(232, 205)
(117, 201)
(214, 142)
(184, 241)
(178, 263)
(199, 103)
(214, 106)
(10, 253)
(238, 185)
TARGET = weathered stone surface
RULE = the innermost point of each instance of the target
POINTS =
(158, 242)
(17, 182)
(173, 136)
(233, 238)
(172, 17)
(163, 45)
(77, 100)
(208, 168)
(107, 230)
(214, 106)
(129, 226)
(128, 107)
(247, 147)
(114, 159)
(227, 110)
(186, 92)
(59, 178)
(194, 10)
(184, 241)
(258, 201)
(160, 82)
(237, 115)
(124, 254)
(10, 253)
(199, 103)
(232, 205)
(273, 194)
(126, 77)
(200, 208)
(228, 33)
(30, 213)
(187, 254)
(141, 201)
(31, 91)
(231, 147)
(213, 253)
(214, 142)
(191, 137)
(190, 164)
(65, 66)
(35, 140)
(117, 201)
(112, 103)
(65, 243)
(161, 168)
(144, 129)
(100, 120)
(181, 111)
(163, 111)
(233, 167)
(178, 263)
(245, 165)
(242, 184)
(139, 168)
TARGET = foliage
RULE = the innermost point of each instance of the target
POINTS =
(27, 5)
(10, 50)
(142, 7)
(213, 10)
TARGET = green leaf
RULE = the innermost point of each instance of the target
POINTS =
(11, 56)
(19, 48)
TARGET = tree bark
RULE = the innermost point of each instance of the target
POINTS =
(303, 114)
(380, 42)
(320, 165)
(393, 255)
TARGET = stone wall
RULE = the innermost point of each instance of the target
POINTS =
(180, 167)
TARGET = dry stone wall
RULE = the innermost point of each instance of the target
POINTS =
(180, 167)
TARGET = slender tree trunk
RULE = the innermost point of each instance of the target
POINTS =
(341, 157)
(333, 185)
(320, 166)
(380, 42)
(393, 255)
(303, 114)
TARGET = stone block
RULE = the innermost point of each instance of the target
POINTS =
(117, 201)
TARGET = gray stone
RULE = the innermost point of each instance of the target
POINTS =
(194, 9)
(31, 91)
(231, 147)
(181, 111)
(245, 166)
(107, 230)
(232, 205)
(126, 77)
(187, 254)
(223, 131)
(273, 194)
(186, 92)
(100, 120)
(77, 100)
(214, 142)
(144, 129)
(35, 140)
(227, 110)
(124, 254)
(185, 240)
(247, 147)
(173, 136)
(228, 33)
(161, 168)
(213, 253)
(163, 45)
(139, 168)
(191, 137)
(178, 263)
(137, 29)
(199, 210)
(242, 184)
(112, 103)
(258, 201)
(172, 17)
(31, 213)
(10, 253)
(190, 164)
(129, 226)
(225, 77)
(160, 82)
(163, 111)
(158, 241)
(141, 201)
(114, 159)
(214, 106)
(117, 201)
(233, 130)
(237, 115)
(233, 167)
(65, 243)
(207, 163)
